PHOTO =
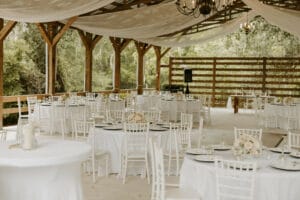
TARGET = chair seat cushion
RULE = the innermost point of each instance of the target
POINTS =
(182, 194)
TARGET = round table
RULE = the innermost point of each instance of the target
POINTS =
(270, 183)
(51, 171)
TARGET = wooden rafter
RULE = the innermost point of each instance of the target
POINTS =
(226, 14)
(118, 6)
(288, 4)
(6, 29)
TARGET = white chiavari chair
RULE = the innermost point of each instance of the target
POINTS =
(158, 184)
(84, 131)
(235, 179)
(255, 133)
(293, 140)
(200, 133)
(115, 116)
(152, 116)
(77, 112)
(135, 147)
(179, 141)
(58, 117)
(33, 112)
(3, 134)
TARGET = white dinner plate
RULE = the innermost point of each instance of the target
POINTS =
(101, 125)
(113, 128)
(295, 154)
(205, 158)
(198, 152)
(287, 165)
(279, 150)
(157, 128)
(221, 147)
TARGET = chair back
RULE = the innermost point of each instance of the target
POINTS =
(3, 134)
(152, 116)
(255, 133)
(83, 128)
(186, 120)
(136, 139)
(32, 105)
(115, 115)
(235, 179)
(200, 132)
(293, 140)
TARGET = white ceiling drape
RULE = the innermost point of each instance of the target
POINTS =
(47, 10)
(201, 37)
(144, 22)
(288, 20)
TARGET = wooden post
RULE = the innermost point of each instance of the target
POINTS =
(89, 42)
(52, 35)
(159, 56)
(4, 31)
(142, 49)
(170, 71)
(119, 45)
(264, 77)
(214, 82)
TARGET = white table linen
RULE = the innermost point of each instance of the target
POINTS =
(111, 141)
(51, 171)
(270, 184)
(175, 107)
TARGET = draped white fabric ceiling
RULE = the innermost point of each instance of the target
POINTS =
(144, 24)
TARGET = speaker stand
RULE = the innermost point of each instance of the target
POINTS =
(187, 91)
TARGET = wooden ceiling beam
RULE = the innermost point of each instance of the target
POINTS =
(64, 29)
(44, 33)
(7, 29)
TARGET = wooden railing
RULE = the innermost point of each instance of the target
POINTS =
(221, 77)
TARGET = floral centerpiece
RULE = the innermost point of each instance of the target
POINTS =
(136, 118)
(247, 145)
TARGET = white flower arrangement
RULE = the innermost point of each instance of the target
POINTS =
(247, 145)
(136, 118)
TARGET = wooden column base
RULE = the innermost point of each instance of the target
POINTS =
(236, 104)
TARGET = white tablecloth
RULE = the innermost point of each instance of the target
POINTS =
(46, 116)
(271, 184)
(111, 142)
(51, 171)
(175, 107)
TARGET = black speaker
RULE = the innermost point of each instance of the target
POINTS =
(188, 75)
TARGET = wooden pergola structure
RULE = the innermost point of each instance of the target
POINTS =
(52, 32)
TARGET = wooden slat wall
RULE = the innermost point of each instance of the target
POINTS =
(221, 77)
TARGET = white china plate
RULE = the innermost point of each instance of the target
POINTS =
(45, 104)
(279, 150)
(286, 165)
(205, 158)
(198, 152)
(102, 125)
(295, 154)
(221, 147)
(159, 128)
(113, 128)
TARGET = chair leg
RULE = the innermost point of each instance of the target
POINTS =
(93, 170)
(169, 165)
(147, 171)
(106, 165)
(125, 169)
